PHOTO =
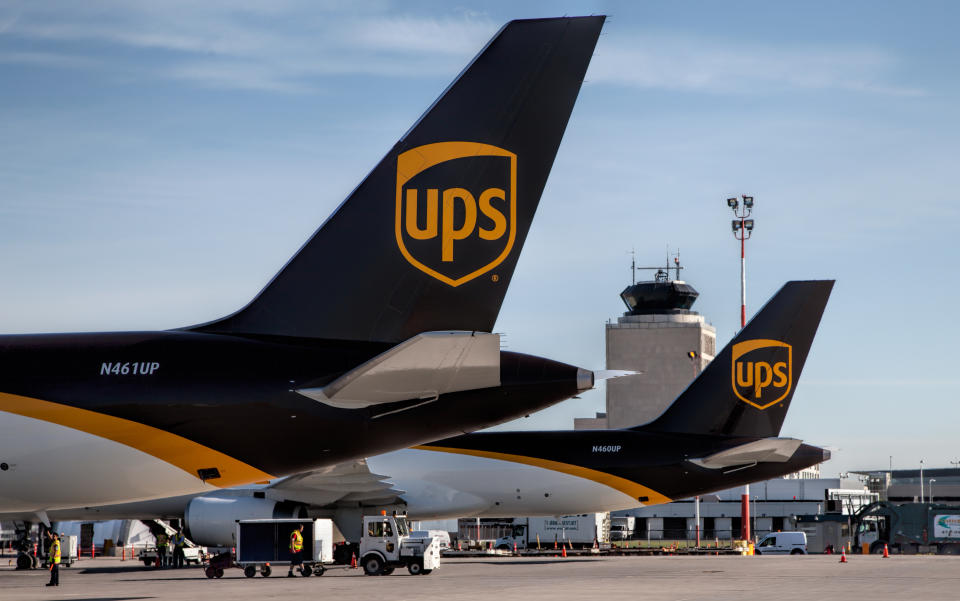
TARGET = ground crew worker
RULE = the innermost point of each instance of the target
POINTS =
(162, 542)
(179, 541)
(296, 548)
(53, 556)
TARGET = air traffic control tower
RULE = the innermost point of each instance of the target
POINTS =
(655, 336)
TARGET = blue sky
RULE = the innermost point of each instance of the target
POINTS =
(160, 161)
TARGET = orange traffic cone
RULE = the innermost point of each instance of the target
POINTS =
(514, 547)
(886, 552)
(353, 561)
(843, 556)
(564, 550)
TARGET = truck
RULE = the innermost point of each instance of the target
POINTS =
(262, 544)
(908, 528)
(621, 527)
(387, 544)
(583, 530)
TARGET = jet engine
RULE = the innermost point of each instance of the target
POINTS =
(211, 521)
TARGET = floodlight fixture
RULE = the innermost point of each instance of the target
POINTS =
(735, 224)
(748, 224)
(748, 201)
(732, 203)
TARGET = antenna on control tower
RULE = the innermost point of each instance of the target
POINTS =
(662, 273)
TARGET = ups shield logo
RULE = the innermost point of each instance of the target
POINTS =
(456, 208)
(762, 372)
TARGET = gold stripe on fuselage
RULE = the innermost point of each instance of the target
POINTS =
(627, 487)
(175, 450)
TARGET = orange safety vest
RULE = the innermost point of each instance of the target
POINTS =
(55, 551)
(296, 542)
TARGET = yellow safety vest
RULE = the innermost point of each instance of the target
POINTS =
(162, 540)
(179, 540)
(296, 542)
(55, 551)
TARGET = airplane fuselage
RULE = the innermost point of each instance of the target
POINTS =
(88, 419)
(503, 474)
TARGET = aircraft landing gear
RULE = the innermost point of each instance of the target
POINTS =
(23, 544)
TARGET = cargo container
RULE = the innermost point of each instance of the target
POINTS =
(262, 544)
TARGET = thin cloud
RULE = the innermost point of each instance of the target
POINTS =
(683, 63)
(284, 46)
(46, 59)
(244, 46)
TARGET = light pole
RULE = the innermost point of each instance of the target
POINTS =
(693, 356)
(742, 229)
(930, 489)
(921, 480)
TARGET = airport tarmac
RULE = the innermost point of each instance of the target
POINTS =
(813, 577)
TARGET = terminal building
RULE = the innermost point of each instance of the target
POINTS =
(774, 505)
(938, 485)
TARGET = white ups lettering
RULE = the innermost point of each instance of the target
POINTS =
(607, 448)
(129, 368)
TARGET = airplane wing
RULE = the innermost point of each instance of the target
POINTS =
(345, 482)
(423, 367)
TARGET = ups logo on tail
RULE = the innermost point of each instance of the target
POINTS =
(456, 208)
(762, 371)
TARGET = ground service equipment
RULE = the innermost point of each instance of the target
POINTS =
(908, 528)
(262, 544)
(581, 531)
(387, 544)
(191, 556)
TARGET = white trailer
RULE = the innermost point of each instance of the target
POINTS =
(265, 543)
(583, 530)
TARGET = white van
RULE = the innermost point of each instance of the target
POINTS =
(782, 543)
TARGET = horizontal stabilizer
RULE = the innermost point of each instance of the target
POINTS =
(423, 367)
(767, 450)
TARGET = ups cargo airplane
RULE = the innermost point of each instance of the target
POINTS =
(722, 431)
(375, 336)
